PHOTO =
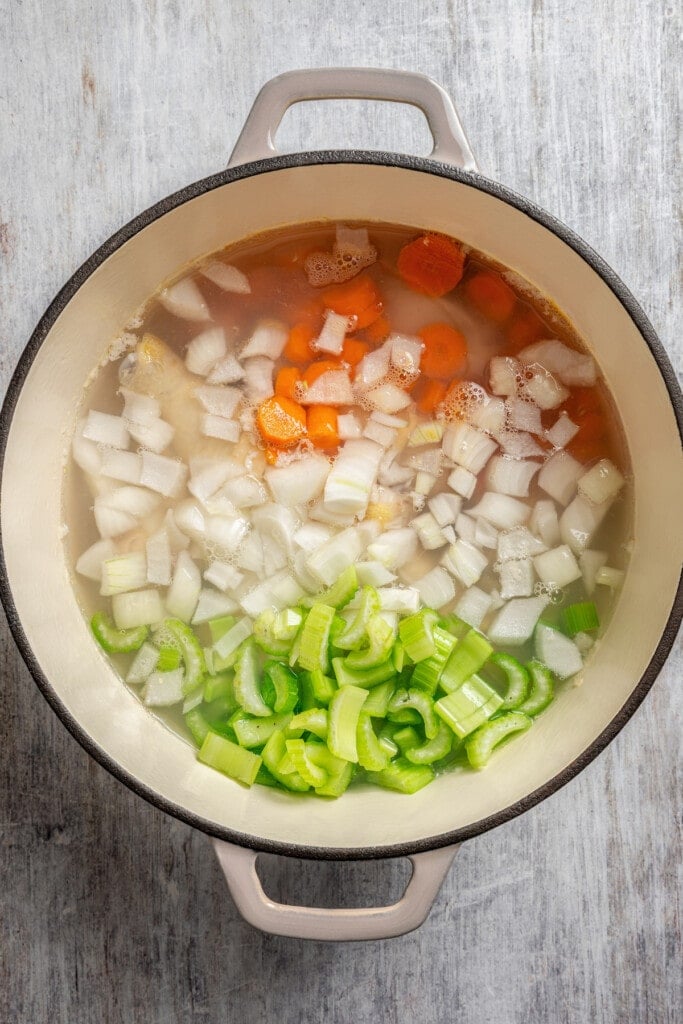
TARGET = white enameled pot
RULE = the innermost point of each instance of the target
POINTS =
(259, 191)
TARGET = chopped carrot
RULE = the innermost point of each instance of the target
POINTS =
(429, 395)
(358, 297)
(432, 264)
(377, 331)
(445, 351)
(298, 348)
(491, 295)
(526, 328)
(354, 350)
(286, 381)
(318, 368)
(321, 421)
(281, 421)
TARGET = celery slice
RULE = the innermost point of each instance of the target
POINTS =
(227, 757)
(403, 776)
(353, 636)
(169, 659)
(313, 774)
(313, 720)
(315, 635)
(433, 750)
(264, 634)
(191, 651)
(279, 687)
(416, 633)
(219, 685)
(580, 618)
(467, 658)
(371, 754)
(197, 724)
(481, 743)
(340, 593)
(540, 694)
(428, 672)
(345, 708)
(220, 626)
(379, 696)
(254, 732)
(272, 754)
(247, 682)
(418, 701)
(346, 676)
(517, 680)
(468, 707)
(117, 641)
(381, 638)
(407, 738)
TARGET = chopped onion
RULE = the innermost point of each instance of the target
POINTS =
(429, 432)
(204, 351)
(544, 522)
(428, 531)
(466, 528)
(121, 465)
(219, 427)
(559, 477)
(225, 533)
(226, 277)
(473, 606)
(142, 409)
(259, 378)
(488, 414)
(163, 689)
(269, 339)
(562, 431)
(279, 523)
(518, 543)
(349, 426)
(571, 367)
(281, 591)
(211, 604)
(608, 577)
(518, 444)
(557, 651)
(516, 578)
(388, 421)
(591, 562)
(86, 453)
(462, 482)
(209, 477)
(136, 501)
(388, 398)
(373, 367)
(319, 513)
(374, 574)
(506, 475)
(159, 558)
(350, 481)
(161, 474)
(112, 522)
(305, 578)
(394, 547)
(190, 520)
(311, 536)
(331, 338)
(501, 510)
(579, 521)
(299, 482)
(123, 572)
(328, 562)
(221, 401)
(445, 508)
(468, 447)
(465, 562)
(515, 622)
(183, 594)
(428, 461)
(542, 388)
(244, 492)
(384, 436)
(103, 428)
(557, 567)
(601, 483)
(523, 415)
(90, 562)
(223, 575)
(140, 608)
(424, 483)
(156, 436)
(331, 388)
(226, 371)
(436, 588)
(504, 374)
(584, 642)
(485, 535)
(250, 554)
(406, 353)
(143, 664)
(351, 239)
(404, 600)
(185, 300)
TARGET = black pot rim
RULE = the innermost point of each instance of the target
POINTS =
(425, 165)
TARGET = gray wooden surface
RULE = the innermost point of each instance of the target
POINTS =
(112, 912)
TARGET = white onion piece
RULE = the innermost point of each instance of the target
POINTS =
(591, 562)
(516, 578)
(579, 521)
(428, 461)
(424, 484)
(311, 535)
(223, 575)
(299, 482)
(304, 577)
(221, 401)
(225, 532)
(406, 352)
(488, 415)
(185, 300)
(143, 664)
(281, 591)
(140, 608)
(374, 574)
(462, 482)
(328, 562)
(511, 476)
(164, 689)
(562, 431)
(319, 513)
(211, 604)
(112, 522)
(428, 532)
(445, 508)
(136, 501)
(468, 447)
(391, 473)
(404, 600)
(557, 567)
(190, 520)
(156, 435)
(373, 367)
(231, 640)
(277, 522)
(388, 398)
(226, 371)
(523, 415)
(544, 522)
(436, 588)
(331, 338)
(466, 528)
(209, 477)
(557, 651)
(274, 557)
(504, 372)
(387, 420)
(259, 378)
(429, 432)
(142, 409)
(103, 428)
(244, 492)
(485, 535)
(350, 481)
(86, 454)
(501, 510)
(161, 474)
(519, 445)
(584, 643)
(473, 606)
(609, 577)
(515, 622)
(559, 477)
(220, 428)
(159, 558)
(542, 388)
(384, 436)
(351, 239)
(331, 388)
(123, 572)
(183, 594)
(204, 351)
(268, 339)
(571, 367)
(601, 483)
(90, 562)
(250, 554)
(518, 543)
(394, 547)
(464, 561)
(226, 277)
(121, 465)
(349, 426)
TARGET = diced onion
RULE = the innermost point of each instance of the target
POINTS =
(473, 606)
(209, 477)
(349, 426)
(103, 428)
(226, 277)
(562, 431)
(299, 482)
(608, 577)
(161, 474)
(221, 401)
(465, 562)
(388, 398)
(559, 477)
(183, 594)
(468, 447)
(542, 388)
(331, 388)
(519, 444)
(485, 535)
(544, 522)
(244, 492)
(557, 567)
(185, 300)
(331, 338)
(515, 622)
(504, 374)
(159, 558)
(579, 521)
(516, 578)
(219, 427)
(373, 574)
(511, 476)
(328, 561)
(384, 436)
(350, 481)
(373, 367)
(466, 528)
(164, 689)
(602, 482)
(311, 536)
(406, 353)
(445, 508)
(223, 575)
(121, 465)
(211, 604)
(156, 435)
(143, 664)
(226, 371)
(259, 378)
(140, 608)
(501, 510)
(204, 351)
(557, 651)
(268, 339)
(394, 548)
(90, 562)
(86, 453)
(123, 572)
(518, 543)
(142, 409)
(429, 432)
(591, 562)
(436, 588)
(225, 533)
(462, 482)
(428, 531)
(571, 367)
(523, 415)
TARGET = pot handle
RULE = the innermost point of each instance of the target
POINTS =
(256, 139)
(239, 867)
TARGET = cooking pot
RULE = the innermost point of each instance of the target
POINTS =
(259, 191)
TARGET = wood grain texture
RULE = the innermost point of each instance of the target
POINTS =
(112, 912)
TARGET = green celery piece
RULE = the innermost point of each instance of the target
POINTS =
(323, 687)
(169, 659)
(467, 658)
(354, 634)
(416, 700)
(287, 623)
(482, 742)
(117, 641)
(228, 644)
(307, 698)
(541, 691)
(231, 759)
(386, 738)
(314, 638)
(428, 672)
(254, 732)
(264, 778)
(197, 724)
(310, 772)
(264, 635)
(434, 749)
(407, 738)
(247, 681)
(344, 711)
(337, 784)
(468, 707)
(279, 687)
(517, 679)
(416, 634)
(218, 712)
(403, 776)
(406, 716)
(272, 754)
(340, 593)
(381, 636)
(398, 656)
(379, 696)
(220, 626)
(347, 676)
(371, 754)
(219, 685)
(313, 720)
(581, 617)
(455, 625)
(190, 650)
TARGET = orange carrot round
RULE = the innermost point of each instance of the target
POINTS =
(321, 421)
(432, 264)
(429, 395)
(298, 348)
(281, 421)
(353, 351)
(445, 351)
(358, 298)
(286, 381)
(491, 295)
(318, 368)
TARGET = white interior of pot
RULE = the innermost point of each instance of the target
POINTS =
(38, 445)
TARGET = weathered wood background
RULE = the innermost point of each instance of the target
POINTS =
(112, 912)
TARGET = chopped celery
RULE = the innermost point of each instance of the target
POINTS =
(117, 641)
(419, 701)
(416, 633)
(398, 656)
(346, 676)
(299, 751)
(455, 625)
(313, 720)
(403, 776)
(314, 638)
(279, 687)
(386, 738)
(407, 738)
(428, 672)
(272, 754)
(254, 732)
(287, 623)
(264, 634)
(228, 643)
(469, 655)
(229, 758)
(371, 754)
(381, 638)
(197, 724)
(468, 707)
(434, 749)
(481, 743)
(191, 651)
(517, 680)
(354, 634)
(345, 708)
(580, 618)
(541, 692)
(220, 626)
(339, 771)
(219, 685)
(322, 687)
(340, 593)
(169, 658)
(247, 688)
(379, 696)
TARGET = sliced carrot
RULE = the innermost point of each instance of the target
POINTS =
(318, 368)
(491, 295)
(286, 381)
(298, 348)
(353, 351)
(281, 421)
(431, 264)
(358, 297)
(377, 331)
(525, 329)
(445, 351)
(321, 422)
(430, 394)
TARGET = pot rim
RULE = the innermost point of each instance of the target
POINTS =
(186, 194)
